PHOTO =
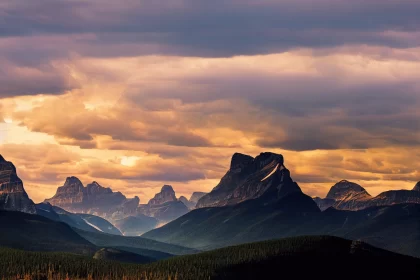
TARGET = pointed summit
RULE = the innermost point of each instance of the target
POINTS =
(166, 194)
(344, 189)
(13, 196)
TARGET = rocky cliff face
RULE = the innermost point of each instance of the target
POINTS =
(13, 196)
(92, 199)
(350, 196)
(167, 194)
(250, 178)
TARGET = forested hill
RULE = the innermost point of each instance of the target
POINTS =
(298, 256)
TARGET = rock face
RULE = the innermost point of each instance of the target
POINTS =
(345, 189)
(344, 195)
(250, 178)
(13, 196)
(92, 199)
(167, 194)
(350, 196)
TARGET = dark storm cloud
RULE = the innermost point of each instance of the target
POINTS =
(215, 28)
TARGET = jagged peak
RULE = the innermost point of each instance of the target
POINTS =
(343, 188)
(167, 188)
(183, 199)
(72, 180)
(417, 187)
(2, 158)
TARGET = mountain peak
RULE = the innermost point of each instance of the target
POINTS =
(239, 160)
(417, 187)
(72, 181)
(344, 188)
(13, 196)
(250, 178)
(166, 194)
(167, 188)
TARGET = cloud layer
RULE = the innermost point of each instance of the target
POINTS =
(182, 85)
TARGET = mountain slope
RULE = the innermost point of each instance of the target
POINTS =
(100, 224)
(32, 232)
(13, 196)
(395, 228)
(245, 222)
(115, 241)
(80, 221)
(135, 226)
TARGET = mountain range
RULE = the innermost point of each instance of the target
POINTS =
(347, 195)
(257, 199)
(131, 217)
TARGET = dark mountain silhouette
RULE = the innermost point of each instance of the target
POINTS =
(417, 187)
(250, 178)
(36, 233)
(13, 196)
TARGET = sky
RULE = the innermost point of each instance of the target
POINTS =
(138, 94)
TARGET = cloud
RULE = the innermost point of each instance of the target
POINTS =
(219, 28)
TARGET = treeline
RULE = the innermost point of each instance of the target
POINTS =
(301, 256)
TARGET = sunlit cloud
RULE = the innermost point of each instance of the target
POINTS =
(135, 95)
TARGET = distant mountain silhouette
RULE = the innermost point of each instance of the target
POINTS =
(93, 199)
(346, 195)
(164, 207)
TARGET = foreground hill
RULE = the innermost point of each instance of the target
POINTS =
(36, 233)
(301, 257)
(394, 228)
(111, 254)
